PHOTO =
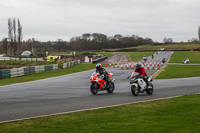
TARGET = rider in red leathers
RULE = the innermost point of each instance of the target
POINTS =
(142, 73)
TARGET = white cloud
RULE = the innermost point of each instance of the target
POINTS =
(52, 19)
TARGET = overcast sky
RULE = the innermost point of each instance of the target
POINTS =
(49, 20)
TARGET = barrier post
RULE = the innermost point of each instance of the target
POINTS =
(118, 64)
(122, 65)
(148, 66)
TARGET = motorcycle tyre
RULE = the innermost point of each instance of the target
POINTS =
(92, 88)
(150, 91)
(111, 89)
(134, 91)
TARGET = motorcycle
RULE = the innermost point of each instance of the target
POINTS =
(138, 85)
(185, 61)
(98, 84)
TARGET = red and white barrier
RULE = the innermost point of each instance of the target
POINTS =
(132, 65)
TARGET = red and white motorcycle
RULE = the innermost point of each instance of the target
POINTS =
(99, 84)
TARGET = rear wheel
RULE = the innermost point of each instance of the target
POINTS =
(94, 88)
(111, 88)
(135, 90)
(150, 89)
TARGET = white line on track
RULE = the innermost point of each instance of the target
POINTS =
(88, 109)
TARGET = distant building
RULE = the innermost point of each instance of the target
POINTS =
(26, 53)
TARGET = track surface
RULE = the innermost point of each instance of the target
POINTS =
(71, 92)
(118, 57)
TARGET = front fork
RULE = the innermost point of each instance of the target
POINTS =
(136, 86)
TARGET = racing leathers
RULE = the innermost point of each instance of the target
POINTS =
(143, 74)
(103, 72)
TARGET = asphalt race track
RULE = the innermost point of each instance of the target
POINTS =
(72, 92)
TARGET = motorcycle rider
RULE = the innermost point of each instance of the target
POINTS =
(145, 58)
(102, 71)
(163, 60)
(142, 73)
(152, 56)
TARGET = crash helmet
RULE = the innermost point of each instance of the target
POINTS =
(138, 66)
(98, 66)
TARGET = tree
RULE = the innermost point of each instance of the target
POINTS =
(14, 38)
(167, 40)
(199, 33)
(3, 46)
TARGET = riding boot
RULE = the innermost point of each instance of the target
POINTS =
(147, 83)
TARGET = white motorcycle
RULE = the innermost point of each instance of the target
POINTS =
(138, 85)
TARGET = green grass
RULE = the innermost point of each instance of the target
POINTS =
(177, 115)
(179, 71)
(47, 74)
(174, 46)
(136, 56)
(179, 56)
(15, 63)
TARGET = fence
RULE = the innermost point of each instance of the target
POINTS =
(70, 64)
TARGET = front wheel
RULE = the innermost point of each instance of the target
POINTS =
(94, 88)
(150, 89)
(111, 88)
(134, 90)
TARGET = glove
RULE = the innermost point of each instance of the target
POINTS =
(142, 76)
(128, 77)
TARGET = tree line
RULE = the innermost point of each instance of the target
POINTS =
(98, 41)
(13, 44)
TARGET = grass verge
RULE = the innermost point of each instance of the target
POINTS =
(178, 115)
(179, 71)
(136, 56)
(47, 74)
(15, 64)
(179, 56)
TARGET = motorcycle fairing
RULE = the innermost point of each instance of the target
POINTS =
(101, 82)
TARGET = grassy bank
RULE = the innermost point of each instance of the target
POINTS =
(47, 74)
(175, 46)
(136, 56)
(15, 63)
(179, 56)
(178, 115)
(179, 71)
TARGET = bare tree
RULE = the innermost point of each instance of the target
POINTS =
(199, 33)
(167, 40)
(14, 39)
(3, 46)
(19, 36)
